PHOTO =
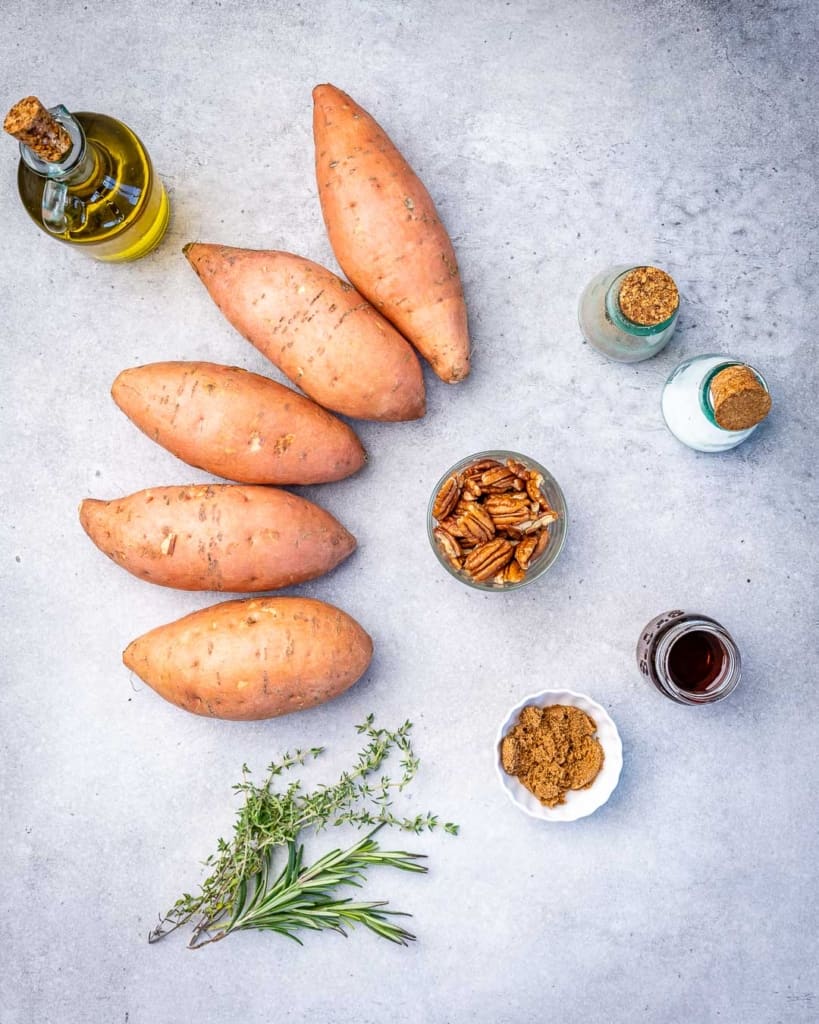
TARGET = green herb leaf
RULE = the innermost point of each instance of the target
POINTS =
(241, 891)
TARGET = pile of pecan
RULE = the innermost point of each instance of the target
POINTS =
(493, 520)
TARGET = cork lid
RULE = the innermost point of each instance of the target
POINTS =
(740, 401)
(648, 296)
(30, 123)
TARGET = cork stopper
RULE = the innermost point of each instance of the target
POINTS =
(739, 399)
(31, 123)
(648, 296)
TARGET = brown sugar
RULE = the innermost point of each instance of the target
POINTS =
(739, 399)
(552, 750)
(648, 296)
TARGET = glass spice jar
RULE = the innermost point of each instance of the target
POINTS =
(629, 313)
(713, 403)
(689, 657)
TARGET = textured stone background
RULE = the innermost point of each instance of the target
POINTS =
(557, 138)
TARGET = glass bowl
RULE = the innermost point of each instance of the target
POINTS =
(557, 530)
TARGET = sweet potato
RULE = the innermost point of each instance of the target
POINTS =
(316, 328)
(217, 537)
(237, 424)
(252, 659)
(386, 233)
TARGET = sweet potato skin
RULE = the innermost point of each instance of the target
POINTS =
(318, 330)
(254, 658)
(386, 233)
(224, 537)
(237, 424)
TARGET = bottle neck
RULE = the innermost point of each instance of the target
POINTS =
(78, 164)
(622, 322)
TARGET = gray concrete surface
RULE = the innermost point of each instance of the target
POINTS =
(556, 138)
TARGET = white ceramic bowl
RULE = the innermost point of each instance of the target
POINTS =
(579, 802)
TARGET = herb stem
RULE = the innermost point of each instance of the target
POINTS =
(241, 892)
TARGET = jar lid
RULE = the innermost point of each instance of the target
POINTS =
(648, 296)
(739, 398)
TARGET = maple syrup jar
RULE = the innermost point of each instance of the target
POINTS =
(689, 657)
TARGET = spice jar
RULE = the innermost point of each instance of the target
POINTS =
(629, 313)
(689, 657)
(713, 403)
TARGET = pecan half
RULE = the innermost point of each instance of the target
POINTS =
(449, 546)
(542, 544)
(477, 468)
(472, 490)
(546, 518)
(487, 560)
(452, 525)
(475, 522)
(542, 521)
(513, 573)
(525, 550)
(517, 468)
(498, 479)
(447, 498)
(534, 482)
(511, 501)
(508, 509)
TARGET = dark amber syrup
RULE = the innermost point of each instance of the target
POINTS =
(696, 661)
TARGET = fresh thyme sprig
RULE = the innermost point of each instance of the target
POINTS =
(239, 889)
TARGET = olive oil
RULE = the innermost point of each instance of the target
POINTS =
(102, 194)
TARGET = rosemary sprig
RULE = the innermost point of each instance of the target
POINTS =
(238, 891)
(299, 897)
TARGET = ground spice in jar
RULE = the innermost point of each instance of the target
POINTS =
(648, 296)
(552, 750)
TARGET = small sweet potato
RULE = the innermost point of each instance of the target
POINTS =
(225, 537)
(316, 328)
(256, 658)
(386, 233)
(237, 424)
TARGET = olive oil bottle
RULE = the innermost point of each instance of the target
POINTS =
(86, 179)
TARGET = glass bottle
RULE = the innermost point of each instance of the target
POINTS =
(86, 179)
(608, 329)
(697, 395)
(689, 657)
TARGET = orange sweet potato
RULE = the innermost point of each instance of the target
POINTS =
(386, 233)
(316, 328)
(256, 658)
(217, 536)
(237, 424)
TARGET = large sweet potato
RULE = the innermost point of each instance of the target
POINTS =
(237, 424)
(316, 328)
(217, 537)
(256, 658)
(386, 233)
